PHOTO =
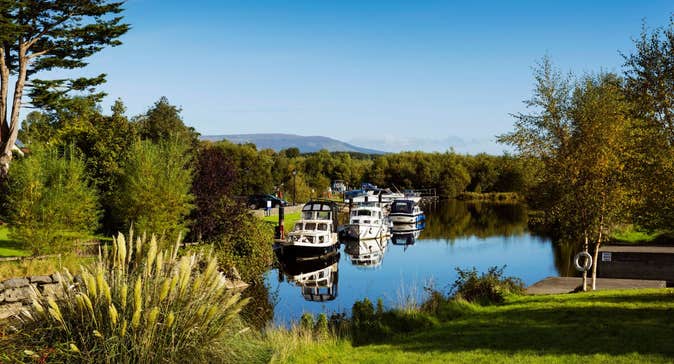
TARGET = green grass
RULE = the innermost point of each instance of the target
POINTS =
(603, 327)
(10, 248)
(288, 222)
(632, 235)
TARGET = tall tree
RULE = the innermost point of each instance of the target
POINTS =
(649, 73)
(43, 35)
(163, 122)
(580, 136)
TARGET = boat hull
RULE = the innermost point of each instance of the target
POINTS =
(407, 218)
(354, 232)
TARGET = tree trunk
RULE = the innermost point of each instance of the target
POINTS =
(4, 86)
(10, 138)
(596, 254)
(585, 248)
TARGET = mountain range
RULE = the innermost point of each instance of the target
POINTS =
(306, 144)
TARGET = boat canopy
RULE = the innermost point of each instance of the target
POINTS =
(402, 206)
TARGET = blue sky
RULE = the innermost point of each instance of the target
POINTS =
(390, 75)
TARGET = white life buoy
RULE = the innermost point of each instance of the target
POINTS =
(588, 261)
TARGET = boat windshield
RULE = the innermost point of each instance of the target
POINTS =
(298, 226)
(323, 226)
(310, 226)
(323, 215)
(364, 213)
(402, 206)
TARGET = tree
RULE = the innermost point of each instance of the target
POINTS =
(154, 192)
(39, 35)
(51, 201)
(649, 73)
(580, 136)
(163, 122)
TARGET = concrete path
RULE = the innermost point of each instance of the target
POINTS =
(556, 285)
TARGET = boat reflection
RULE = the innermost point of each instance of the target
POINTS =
(366, 253)
(407, 234)
(316, 276)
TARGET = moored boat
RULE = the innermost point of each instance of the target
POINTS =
(366, 221)
(406, 212)
(315, 233)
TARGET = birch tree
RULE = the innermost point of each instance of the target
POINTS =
(579, 133)
(44, 35)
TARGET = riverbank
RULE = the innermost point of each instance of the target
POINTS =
(611, 326)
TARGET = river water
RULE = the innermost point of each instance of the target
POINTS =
(456, 234)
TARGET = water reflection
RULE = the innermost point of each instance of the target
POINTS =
(456, 219)
(317, 277)
(455, 234)
(366, 253)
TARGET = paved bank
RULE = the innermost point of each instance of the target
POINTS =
(556, 285)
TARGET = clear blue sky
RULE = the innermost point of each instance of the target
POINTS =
(389, 75)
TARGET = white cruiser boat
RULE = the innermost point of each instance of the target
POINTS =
(316, 232)
(367, 253)
(366, 221)
(406, 212)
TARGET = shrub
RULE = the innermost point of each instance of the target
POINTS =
(154, 192)
(140, 305)
(248, 247)
(51, 202)
(488, 288)
(369, 325)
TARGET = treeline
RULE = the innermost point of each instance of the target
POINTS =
(265, 171)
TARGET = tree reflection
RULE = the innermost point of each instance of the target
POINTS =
(457, 219)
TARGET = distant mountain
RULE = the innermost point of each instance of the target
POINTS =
(306, 144)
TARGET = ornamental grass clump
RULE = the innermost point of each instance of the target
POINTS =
(139, 304)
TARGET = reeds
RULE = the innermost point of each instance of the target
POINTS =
(138, 304)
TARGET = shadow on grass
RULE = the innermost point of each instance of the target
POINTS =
(592, 328)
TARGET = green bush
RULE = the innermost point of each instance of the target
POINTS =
(248, 247)
(154, 192)
(369, 325)
(51, 203)
(489, 288)
(138, 304)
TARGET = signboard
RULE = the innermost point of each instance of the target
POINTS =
(605, 256)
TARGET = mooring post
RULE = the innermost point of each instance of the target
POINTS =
(281, 218)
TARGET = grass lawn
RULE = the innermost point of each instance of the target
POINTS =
(9, 248)
(288, 223)
(604, 327)
(631, 235)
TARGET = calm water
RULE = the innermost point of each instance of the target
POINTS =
(456, 235)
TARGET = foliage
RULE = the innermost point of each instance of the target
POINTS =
(214, 179)
(369, 325)
(154, 192)
(44, 36)
(246, 246)
(649, 73)
(580, 133)
(162, 122)
(138, 304)
(51, 202)
(488, 288)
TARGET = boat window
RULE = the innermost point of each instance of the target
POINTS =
(356, 221)
(376, 222)
(298, 226)
(366, 221)
(321, 239)
(323, 215)
(364, 212)
(322, 226)
(310, 226)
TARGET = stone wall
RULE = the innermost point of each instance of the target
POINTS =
(17, 293)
